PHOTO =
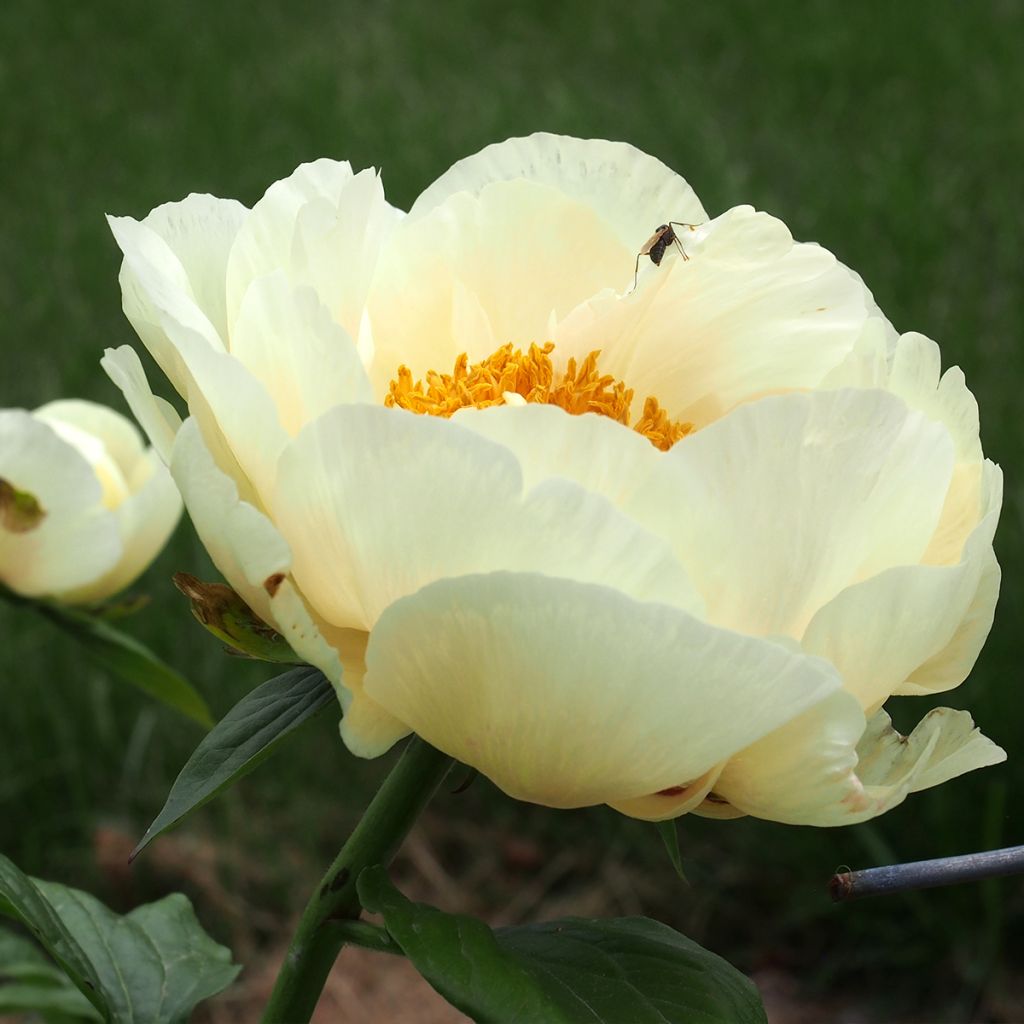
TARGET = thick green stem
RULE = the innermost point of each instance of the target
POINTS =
(316, 944)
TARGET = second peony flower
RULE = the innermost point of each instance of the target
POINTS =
(666, 542)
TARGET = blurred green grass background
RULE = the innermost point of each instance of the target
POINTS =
(891, 133)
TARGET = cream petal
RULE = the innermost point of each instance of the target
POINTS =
(244, 544)
(156, 294)
(200, 231)
(943, 745)
(238, 418)
(593, 451)
(829, 767)
(392, 501)
(787, 501)
(748, 313)
(630, 190)
(521, 249)
(671, 802)
(801, 772)
(367, 729)
(914, 376)
(337, 245)
(323, 226)
(145, 521)
(77, 540)
(118, 435)
(537, 682)
(962, 510)
(952, 664)
(254, 558)
(867, 363)
(305, 361)
(913, 618)
(157, 417)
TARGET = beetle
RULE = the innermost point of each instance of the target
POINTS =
(655, 246)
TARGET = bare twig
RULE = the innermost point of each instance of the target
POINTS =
(926, 874)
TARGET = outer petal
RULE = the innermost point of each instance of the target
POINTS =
(787, 501)
(157, 417)
(829, 767)
(254, 558)
(393, 501)
(914, 376)
(323, 226)
(238, 418)
(632, 191)
(519, 252)
(157, 293)
(749, 313)
(912, 619)
(243, 543)
(77, 540)
(265, 243)
(200, 231)
(671, 802)
(537, 683)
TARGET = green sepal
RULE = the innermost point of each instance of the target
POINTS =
(220, 610)
(669, 832)
(20, 511)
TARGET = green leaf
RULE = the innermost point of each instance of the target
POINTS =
(153, 964)
(130, 660)
(29, 982)
(248, 734)
(669, 833)
(572, 971)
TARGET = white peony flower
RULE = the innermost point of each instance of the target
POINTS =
(668, 548)
(83, 508)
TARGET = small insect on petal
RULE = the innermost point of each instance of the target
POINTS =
(655, 246)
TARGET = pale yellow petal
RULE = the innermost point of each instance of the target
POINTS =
(77, 541)
(632, 191)
(537, 682)
(200, 231)
(392, 501)
(305, 361)
(912, 619)
(789, 500)
(749, 313)
(523, 251)
(830, 767)
(156, 416)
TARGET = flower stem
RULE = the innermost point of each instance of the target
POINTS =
(377, 837)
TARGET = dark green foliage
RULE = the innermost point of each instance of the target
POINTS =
(572, 971)
(245, 737)
(152, 965)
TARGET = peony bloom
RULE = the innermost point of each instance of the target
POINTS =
(83, 508)
(668, 547)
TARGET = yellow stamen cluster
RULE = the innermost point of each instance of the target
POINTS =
(531, 375)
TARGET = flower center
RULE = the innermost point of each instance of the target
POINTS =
(510, 377)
